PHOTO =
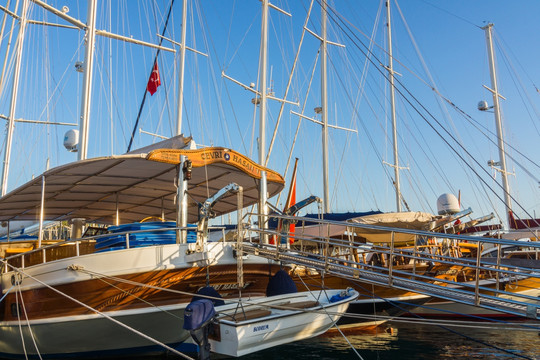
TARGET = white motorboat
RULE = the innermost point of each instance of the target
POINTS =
(271, 321)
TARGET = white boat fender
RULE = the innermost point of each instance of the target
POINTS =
(342, 295)
(198, 317)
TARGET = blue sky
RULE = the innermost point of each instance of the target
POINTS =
(218, 112)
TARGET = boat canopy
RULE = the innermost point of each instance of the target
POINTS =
(402, 220)
(138, 185)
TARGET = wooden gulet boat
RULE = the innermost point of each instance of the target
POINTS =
(90, 296)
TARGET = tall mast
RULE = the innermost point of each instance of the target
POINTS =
(14, 91)
(324, 106)
(87, 82)
(263, 191)
(393, 108)
(498, 120)
(181, 69)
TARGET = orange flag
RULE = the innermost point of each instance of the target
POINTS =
(291, 199)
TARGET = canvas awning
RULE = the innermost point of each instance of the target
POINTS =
(401, 220)
(139, 185)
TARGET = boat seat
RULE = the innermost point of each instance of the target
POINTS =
(251, 314)
(304, 304)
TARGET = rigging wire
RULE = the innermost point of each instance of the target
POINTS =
(370, 53)
(20, 322)
(145, 90)
(335, 325)
(19, 291)
(437, 92)
(210, 45)
(446, 326)
(112, 319)
(452, 14)
(522, 87)
(420, 108)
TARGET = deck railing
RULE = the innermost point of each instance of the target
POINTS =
(447, 266)
(77, 247)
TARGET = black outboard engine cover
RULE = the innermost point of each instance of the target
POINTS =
(209, 291)
(197, 319)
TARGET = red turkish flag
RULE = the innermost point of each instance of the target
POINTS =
(154, 80)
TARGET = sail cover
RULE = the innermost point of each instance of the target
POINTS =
(138, 185)
(401, 220)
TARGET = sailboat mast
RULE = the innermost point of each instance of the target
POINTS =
(393, 108)
(324, 106)
(263, 191)
(14, 91)
(498, 120)
(181, 64)
(87, 82)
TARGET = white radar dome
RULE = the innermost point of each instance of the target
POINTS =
(71, 139)
(447, 204)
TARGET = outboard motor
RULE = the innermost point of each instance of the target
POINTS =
(198, 317)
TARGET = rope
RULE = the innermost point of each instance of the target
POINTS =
(20, 325)
(239, 301)
(157, 342)
(7, 292)
(139, 298)
(446, 327)
(146, 91)
(335, 324)
(27, 321)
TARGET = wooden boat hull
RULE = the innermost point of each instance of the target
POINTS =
(438, 308)
(137, 286)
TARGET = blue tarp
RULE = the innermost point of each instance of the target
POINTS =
(147, 238)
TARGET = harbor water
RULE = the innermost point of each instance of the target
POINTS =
(404, 340)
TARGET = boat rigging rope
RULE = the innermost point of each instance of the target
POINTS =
(19, 293)
(439, 324)
(7, 292)
(454, 323)
(127, 293)
(240, 301)
(335, 324)
(145, 89)
(149, 338)
(445, 327)
(426, 115)
(342, 23)
(19, 322)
